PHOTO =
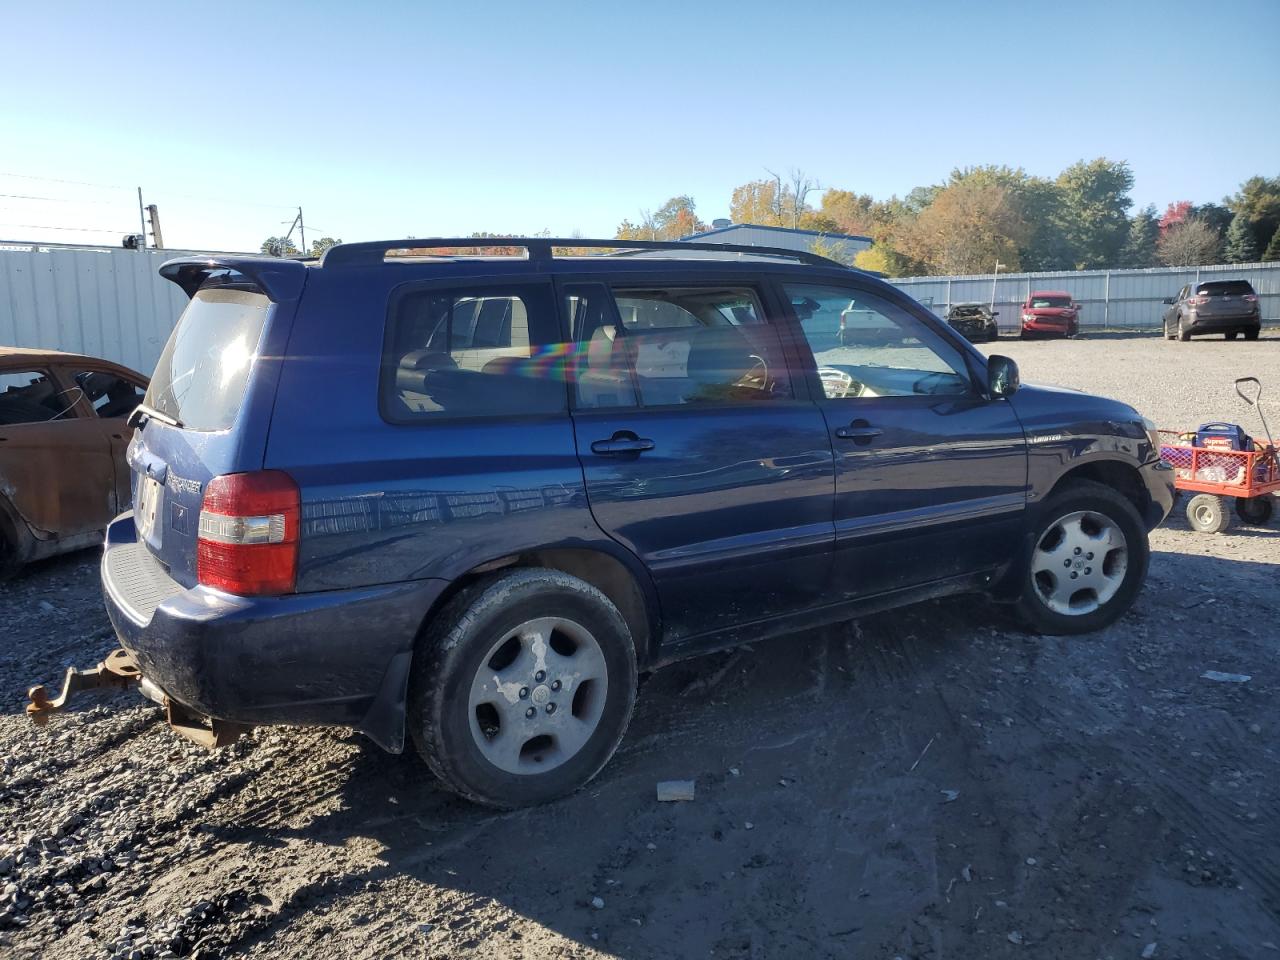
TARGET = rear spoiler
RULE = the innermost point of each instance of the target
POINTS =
(280, 280)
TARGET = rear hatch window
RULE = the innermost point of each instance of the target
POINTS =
(1224, 288)
(201, 375)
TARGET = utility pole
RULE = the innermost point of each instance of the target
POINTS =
(142, 219)
(154, 212)
(302, 232)
(994, 276)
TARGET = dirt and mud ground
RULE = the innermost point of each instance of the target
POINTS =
(925, 784)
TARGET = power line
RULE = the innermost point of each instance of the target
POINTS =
(28, 196)
(167, 193)
(82, 183)
(45, 226)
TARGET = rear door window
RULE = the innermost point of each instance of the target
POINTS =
(473, 351)
(685, 345)
(201, 376)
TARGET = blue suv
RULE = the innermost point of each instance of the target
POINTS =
(468, 498)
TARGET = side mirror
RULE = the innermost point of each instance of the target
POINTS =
(1169, 300)
(995, 313)
(1002, 376)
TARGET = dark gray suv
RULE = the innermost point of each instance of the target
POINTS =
(1228, 307)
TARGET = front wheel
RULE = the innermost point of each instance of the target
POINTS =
(1183, 333)
(1086, 562)
(1255, 511)
(1231, 335)
(1252, 334)
(522, 689)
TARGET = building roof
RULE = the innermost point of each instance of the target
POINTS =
(761, 226)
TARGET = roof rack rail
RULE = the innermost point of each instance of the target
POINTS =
(373, 252)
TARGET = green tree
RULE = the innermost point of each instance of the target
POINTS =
(1241, 247)
(1189, 244)
(324, 243)
(1258, 201)
(1215, 215)
(1272, 253)
(1140, 247)
(279, 247)
(1093, 217)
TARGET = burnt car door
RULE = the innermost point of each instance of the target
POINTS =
(113, 394)
(56, 468)
(931, 473)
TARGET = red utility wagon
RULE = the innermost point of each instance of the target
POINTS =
(1214, 474)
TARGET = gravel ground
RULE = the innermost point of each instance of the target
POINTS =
(922, 784)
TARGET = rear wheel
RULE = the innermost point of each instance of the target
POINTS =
(1086, 563)
(1252, 334)
(1207, 513)
(1231, 335)
(1256, 511)
(522, 688)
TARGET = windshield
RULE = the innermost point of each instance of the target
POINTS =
(201, 375)
(1041, 301)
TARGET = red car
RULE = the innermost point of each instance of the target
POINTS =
(1050, 313)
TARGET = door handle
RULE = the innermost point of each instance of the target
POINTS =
(622, 442)
(860, 431)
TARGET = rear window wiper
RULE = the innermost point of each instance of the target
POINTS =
(142, 413)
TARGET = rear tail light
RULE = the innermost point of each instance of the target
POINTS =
(1197, 301)
(1251, 298)
(248, 541)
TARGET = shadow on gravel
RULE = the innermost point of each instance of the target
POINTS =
(918, 781)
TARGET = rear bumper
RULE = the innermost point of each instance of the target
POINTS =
(1244, 321)
(338, 657)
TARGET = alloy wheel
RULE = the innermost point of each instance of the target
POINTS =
(538, 695)
(1079, 563)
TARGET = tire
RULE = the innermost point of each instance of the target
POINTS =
(1167, 335)
(10, 563)
(1256, 511)
(1231, 335)
(1082, 515)
(457, 716)
(1207, 513)
(1183, 333)
(1252, 334)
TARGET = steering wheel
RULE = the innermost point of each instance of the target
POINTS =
(837, 384)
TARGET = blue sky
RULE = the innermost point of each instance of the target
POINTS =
(395, 119)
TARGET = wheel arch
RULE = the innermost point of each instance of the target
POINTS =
(1120, 475)
(620, 578)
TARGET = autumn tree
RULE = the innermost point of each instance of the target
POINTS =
(842, 211)
(1240, 246)
(674, 219)
(1093, 217)
(1189, 243)
(1140, 248)
(318, 247)
(966, 229)
(1175, 213)
(1040, 203)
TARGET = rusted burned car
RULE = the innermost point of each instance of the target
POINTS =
(63, 434)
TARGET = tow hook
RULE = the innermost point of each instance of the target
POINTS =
(118, 670)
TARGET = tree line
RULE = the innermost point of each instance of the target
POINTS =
(981, 216)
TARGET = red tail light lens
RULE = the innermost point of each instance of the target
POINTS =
(1197, 301)
(1251, 298)
(248, 541)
